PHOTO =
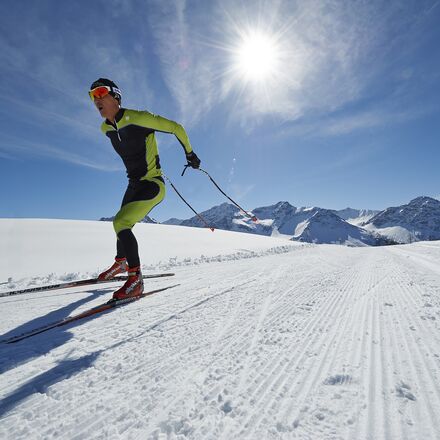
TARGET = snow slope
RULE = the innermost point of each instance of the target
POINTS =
(275, 342)
(68, 249)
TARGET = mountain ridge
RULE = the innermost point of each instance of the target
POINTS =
(417, 220)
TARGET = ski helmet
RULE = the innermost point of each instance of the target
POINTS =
(114, 89)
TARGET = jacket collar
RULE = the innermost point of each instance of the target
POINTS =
(118, 116)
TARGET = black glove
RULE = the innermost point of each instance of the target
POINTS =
(193, 160)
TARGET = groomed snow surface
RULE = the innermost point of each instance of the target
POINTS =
(262, 339)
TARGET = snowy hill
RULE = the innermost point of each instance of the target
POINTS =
(93, 244)
(415, 221)
(326, 227)
(262, 339)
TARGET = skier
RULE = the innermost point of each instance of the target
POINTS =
(131, 133)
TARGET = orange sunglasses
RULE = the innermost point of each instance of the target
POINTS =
(99, 92)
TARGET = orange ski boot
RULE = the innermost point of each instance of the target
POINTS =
(119, 266)
(133, 287)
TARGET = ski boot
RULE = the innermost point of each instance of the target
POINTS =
(134, 286)
(119, 266)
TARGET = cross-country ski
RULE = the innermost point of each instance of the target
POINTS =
(111, 304)
(78, 283)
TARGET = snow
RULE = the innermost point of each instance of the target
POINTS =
(397, 233)
(33, 247)
(263, 339)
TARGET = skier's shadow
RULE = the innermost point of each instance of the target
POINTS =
(40, 384)
(15, 354)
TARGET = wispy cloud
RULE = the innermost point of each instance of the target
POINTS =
(355, 122)
(333, 53)
(232, 170)
(16, 147)
(241, 191)
(5, 155)
(367, 120)
(45, 79)
(186, 67)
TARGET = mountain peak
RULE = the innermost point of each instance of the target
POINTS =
(417, 220)
(424, 200)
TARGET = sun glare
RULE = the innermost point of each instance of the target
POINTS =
(257, 57)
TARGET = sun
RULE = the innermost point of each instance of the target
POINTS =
(256, 56)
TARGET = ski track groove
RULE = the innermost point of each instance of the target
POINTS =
(210, 356)
(239, 337)
(391, 328)
(309, 383)
(392, 371)
(310, 334)
(357, 351)
(372, 382)
(203, 372)
(331, 365)
(413, 373)
(422, 361)
(261, 316)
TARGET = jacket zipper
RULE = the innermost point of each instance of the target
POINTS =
(117, 131)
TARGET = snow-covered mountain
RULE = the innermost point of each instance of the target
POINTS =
(303, 224)
(219, 217)
(281, 217)
(285, 217)
(418, 220)
(326, 227)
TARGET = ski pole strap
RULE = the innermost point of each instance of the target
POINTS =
(187, 204)
(185, 168)
(252, 217)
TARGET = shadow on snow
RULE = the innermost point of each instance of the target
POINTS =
(39, 384)
(16, 354)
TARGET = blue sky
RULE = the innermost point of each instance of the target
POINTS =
(347, 114)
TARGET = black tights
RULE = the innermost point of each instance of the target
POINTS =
(127, 246)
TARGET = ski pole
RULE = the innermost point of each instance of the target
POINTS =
(252, 217)
(190, 207)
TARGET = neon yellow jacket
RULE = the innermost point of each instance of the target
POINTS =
(132, 136)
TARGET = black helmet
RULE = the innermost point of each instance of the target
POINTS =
(114, 89)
